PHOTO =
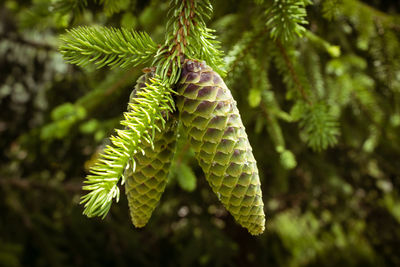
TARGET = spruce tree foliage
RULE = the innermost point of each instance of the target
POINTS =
(141, 122)
(321, 112)
(107, 47)
(286, 19)
(188, 37)
(77, 6)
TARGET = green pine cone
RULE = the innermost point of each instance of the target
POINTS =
(216, 132)
(145, 186)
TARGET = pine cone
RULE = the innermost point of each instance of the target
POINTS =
(216, 132)
(145, 186)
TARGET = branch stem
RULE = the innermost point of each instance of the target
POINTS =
(293, 73)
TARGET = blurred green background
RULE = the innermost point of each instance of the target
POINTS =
(339, 206)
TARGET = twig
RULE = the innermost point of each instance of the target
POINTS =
(251, 44)
(293, 72)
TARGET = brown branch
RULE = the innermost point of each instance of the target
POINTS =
(180, 37)
(292, 71)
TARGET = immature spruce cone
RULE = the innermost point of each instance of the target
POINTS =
(145, 186)
(216, 132)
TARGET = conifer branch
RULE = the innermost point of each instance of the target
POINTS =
(107, 47)
(242, 48)
(187, 35)
(319, 127)
(66, 6)
(114, 6)
(355, 6)
(287, 158)
(285, 19)
(140, 125)
(331, 8)
(77, 6)
(332, 50)
(293, 73)
(265, 99)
